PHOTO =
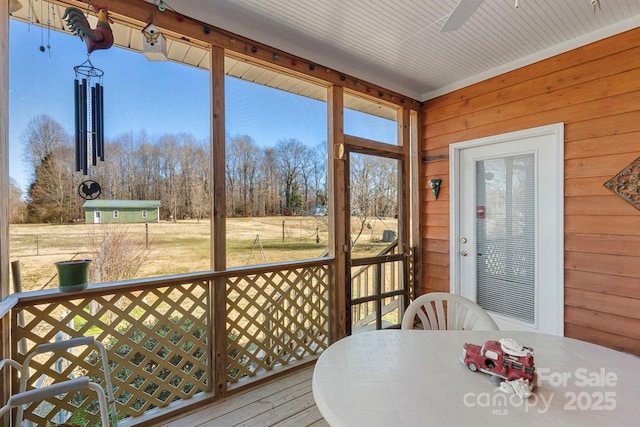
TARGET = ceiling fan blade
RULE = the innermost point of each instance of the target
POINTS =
(459, 15)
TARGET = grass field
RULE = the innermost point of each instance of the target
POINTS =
(180, 247)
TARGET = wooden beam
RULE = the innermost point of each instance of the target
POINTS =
(218, 224)
(217, 158)
(5, 326)
(374, 148)
(4, 149)
(404, 199)
(4, 155)
(338, 229)
(415, 202)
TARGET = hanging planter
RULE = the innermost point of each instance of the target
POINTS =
(73, 275)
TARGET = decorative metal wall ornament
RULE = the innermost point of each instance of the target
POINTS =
(89, 190)
(626, 183)
(100, 37)
(434, 184)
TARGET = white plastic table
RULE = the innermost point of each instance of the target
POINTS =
(415, 378)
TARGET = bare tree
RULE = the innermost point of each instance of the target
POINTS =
(242, 165)
(307, 169)
(199, 192)
(124, 167)
(42, 137)
(147, 167)
(270, 183)
(292, 158)
(195, 177)
(170, 174)
(373, 186)
(318, 174)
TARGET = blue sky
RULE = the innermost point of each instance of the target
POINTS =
(153, 96)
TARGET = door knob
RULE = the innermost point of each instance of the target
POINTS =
(464, 253)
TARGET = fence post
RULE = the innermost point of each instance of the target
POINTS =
(17, 279)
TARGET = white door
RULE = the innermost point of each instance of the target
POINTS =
(507, 227)
(97, 217)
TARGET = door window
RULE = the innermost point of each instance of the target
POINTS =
(505, 235)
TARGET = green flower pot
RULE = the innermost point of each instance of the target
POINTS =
(73, 275)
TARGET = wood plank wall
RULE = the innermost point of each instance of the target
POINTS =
(595, 91)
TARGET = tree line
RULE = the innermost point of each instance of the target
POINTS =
(287, 179)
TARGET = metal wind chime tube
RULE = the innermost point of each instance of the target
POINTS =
(94, 138)
(76, 102)
(97, 128)
(100, 123)
(89, 117)
(83, 128)
(81, 121)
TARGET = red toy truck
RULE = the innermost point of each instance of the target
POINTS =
(506, 359)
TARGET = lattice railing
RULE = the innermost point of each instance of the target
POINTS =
(156, 340)
(159, 338)
(275, 317)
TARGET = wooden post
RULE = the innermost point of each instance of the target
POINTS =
(218, 295)
(4, 191)
(15, 274)
(415, 203)
(404, 210)
(338, 238)
(4, 149)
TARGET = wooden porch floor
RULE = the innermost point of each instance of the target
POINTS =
(287, 401)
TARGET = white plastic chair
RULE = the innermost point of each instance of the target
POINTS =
(48, 392)
(460, 313)
(42, 393)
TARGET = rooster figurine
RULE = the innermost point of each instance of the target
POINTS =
(99, 38)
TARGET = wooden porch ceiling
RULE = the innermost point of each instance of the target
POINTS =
(397, 44)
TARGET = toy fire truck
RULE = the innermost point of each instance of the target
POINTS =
(507, 359)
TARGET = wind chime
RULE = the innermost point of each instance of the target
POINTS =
(89, 116)
(88, 89)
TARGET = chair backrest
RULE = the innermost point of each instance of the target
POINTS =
(56, 351)
(53, 390)
(444, 311)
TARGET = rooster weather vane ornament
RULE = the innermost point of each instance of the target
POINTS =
(100, 37)
(89, 190)
(89, 98)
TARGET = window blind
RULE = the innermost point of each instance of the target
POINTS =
(506, 229)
